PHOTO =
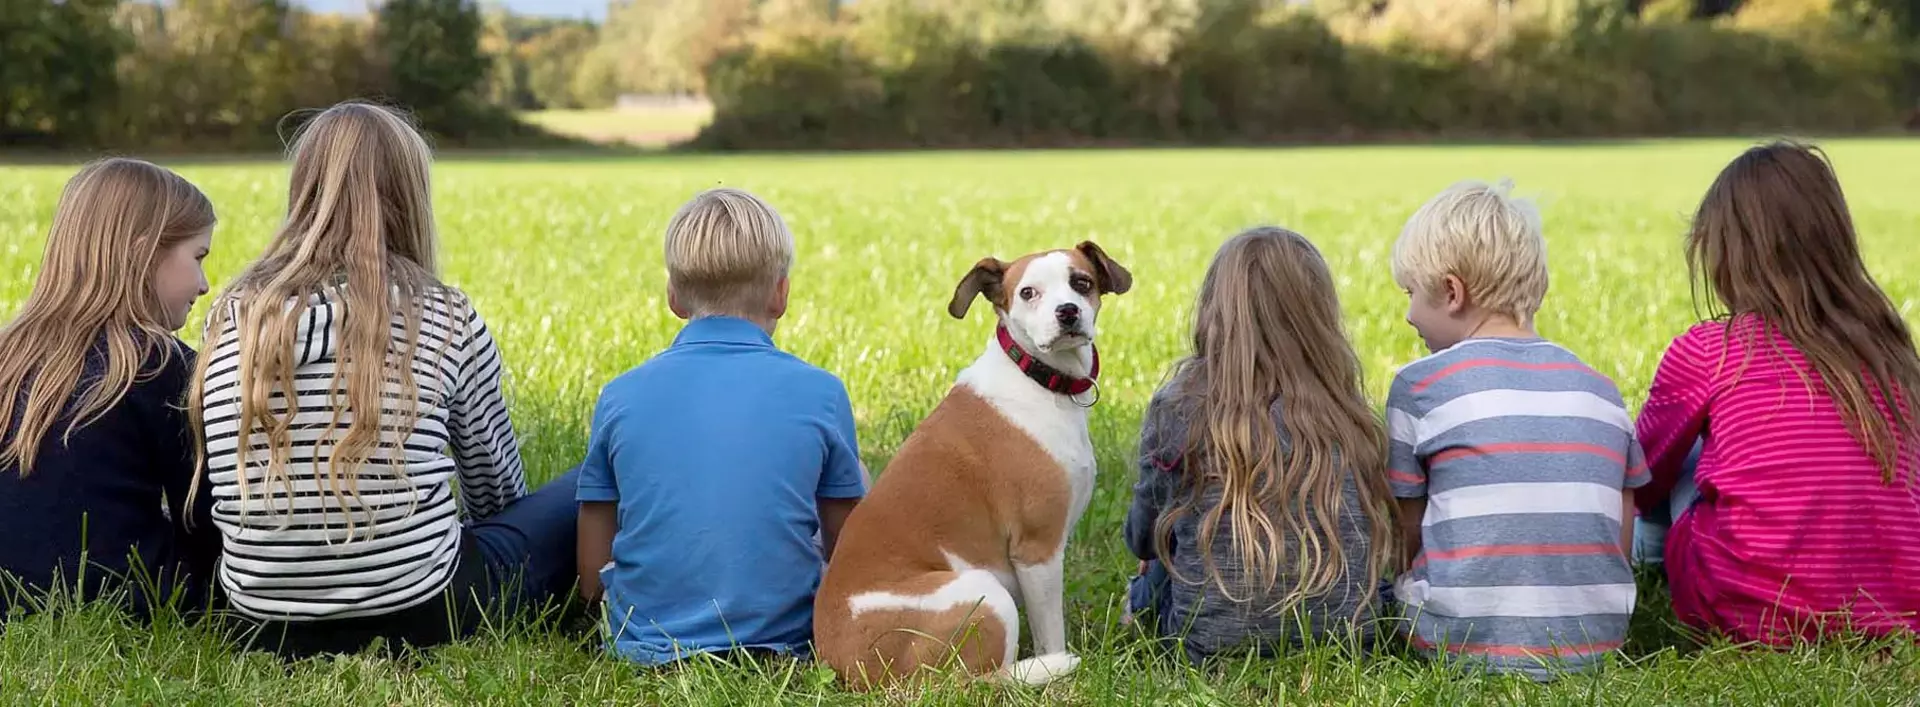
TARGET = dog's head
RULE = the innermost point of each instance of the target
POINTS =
(1049, 300)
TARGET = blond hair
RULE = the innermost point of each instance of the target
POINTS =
(1267, 329)
(114, 218)
(726, 249)
(359, 220)
(1482, 235)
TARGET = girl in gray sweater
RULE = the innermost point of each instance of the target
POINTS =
(1262, 513)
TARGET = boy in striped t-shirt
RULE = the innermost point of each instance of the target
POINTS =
(1515, 463)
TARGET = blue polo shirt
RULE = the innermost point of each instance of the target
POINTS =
(715, 451)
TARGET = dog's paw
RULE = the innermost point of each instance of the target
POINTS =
(1040, 670)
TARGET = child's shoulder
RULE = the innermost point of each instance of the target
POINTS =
(769, 370)
(1714, 338)
(1480, 365)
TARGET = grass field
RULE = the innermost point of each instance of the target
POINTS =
(642, 127)
(564, 259)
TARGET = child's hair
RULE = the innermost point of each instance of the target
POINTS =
(1773, 239)
(114, 218)
(1267, 328)
(1481, 234)
(726, 249)
(360, 220)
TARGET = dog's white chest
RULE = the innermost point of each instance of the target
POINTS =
(1058, 423)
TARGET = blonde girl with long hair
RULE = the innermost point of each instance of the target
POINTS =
(1781, 432)
(1262, 513)
(95, 453)
(364, 387)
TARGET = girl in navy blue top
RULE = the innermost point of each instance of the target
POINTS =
(96, 455)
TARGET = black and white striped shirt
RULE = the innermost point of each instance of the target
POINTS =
(302, 565)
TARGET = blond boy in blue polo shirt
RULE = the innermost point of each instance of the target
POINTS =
(719, 472)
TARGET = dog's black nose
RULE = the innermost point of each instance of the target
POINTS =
(1067, 314)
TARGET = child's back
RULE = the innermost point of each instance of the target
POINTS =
(713, 467)
(96, 456)
(1794, 521)
(1803, 517)
(1262, 512)
(715, 451)
(1210, 620)
(1521, 452)
(1514, 461)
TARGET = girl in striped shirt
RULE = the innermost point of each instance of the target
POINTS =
(344, 391)
(1780, 433)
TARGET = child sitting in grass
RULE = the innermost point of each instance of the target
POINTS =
(712, 468)
(1781, 433)
(1262, 514)
(95, 454)
(1515, 462)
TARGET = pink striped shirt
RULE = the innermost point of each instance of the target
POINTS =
(1794, 534)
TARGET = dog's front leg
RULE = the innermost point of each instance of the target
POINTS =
(1042, 590)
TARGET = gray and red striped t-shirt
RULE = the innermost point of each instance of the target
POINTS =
(1521, 452)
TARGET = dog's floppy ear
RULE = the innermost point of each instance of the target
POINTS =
(1107, 274)
(983, 279)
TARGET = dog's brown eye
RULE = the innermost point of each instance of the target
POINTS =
(1026, 293)
(1082, 285)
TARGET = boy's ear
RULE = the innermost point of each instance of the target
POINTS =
(1108, 275)
(777, 305)
(983, 279)
(674, 305)
(1456, 292)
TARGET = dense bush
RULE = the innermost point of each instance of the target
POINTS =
(227, 74)
(1238, 71)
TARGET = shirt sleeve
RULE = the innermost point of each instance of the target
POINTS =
(596, 470)
(484, 445)
(1406, 475)
(844, 476)
(1158, 465)
(1637, 474)
(194, 532)
(1674, 415)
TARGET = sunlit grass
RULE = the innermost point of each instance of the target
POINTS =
(564, 259)
(642, 127)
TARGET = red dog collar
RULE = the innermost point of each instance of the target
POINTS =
(1047, 376)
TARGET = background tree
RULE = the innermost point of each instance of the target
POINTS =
(57, 79)
(434, 60)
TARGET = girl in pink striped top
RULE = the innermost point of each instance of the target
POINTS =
(1806, 519)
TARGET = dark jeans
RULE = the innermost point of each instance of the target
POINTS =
(1150, 599)
(520, 559)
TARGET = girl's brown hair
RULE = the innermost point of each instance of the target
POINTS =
(360, 223)
(1267, 328)
(1773, 240)
(115, 217)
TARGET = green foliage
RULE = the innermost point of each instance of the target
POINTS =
(227, 74)
(210, 71)
(432, 49)
(1182, 71)
(56, 69)
(538, 63)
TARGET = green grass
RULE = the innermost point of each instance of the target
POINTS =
(564, 260)
(647, 127)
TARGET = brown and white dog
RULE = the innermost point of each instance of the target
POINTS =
(968, 524)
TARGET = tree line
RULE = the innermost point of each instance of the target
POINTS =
(832, 73)
(228, 74)
(968, 73)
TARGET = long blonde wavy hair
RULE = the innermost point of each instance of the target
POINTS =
(1267, 328)
(114, 218)
(359, 221)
